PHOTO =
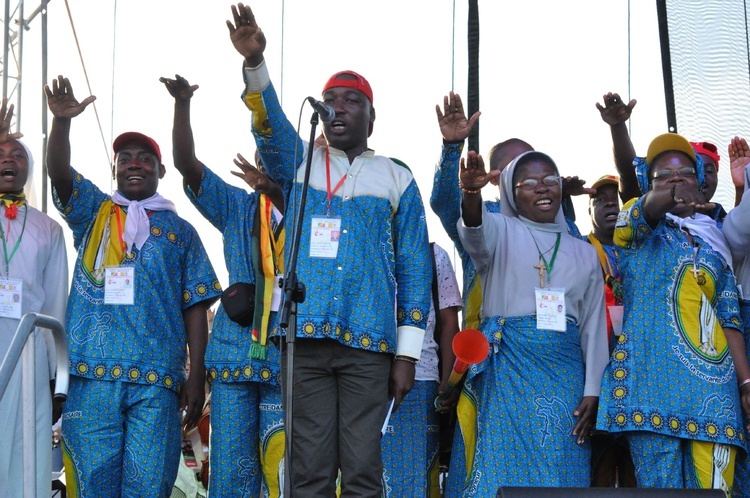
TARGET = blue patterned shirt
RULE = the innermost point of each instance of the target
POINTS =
(231, 210)
(671, 371)
(383, 238)
(144, 343)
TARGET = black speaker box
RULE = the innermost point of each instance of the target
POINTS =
(516, 492)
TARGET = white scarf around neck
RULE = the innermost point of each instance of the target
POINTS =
(705, 227)
(137, 223)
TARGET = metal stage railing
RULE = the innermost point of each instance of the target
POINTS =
(20, 345)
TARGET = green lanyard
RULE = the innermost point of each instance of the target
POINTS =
(18, 242)
(548, 266)
(551, 263)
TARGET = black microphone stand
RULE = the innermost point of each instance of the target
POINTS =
(294, 293)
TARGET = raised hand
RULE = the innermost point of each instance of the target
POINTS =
(692, 196)
(615, 111)
(572, 185)
(179, 88)
(739, 157)
(61, 101)
(473, 174)
(257, 180)
(248, 39)
(6, 115)
(452, 120)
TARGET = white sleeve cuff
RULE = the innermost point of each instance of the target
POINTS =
(257, 78)
(409, 341)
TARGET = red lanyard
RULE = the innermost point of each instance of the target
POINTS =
(328, 182)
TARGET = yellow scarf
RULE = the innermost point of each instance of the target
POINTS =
(102, 249)
(268, 259)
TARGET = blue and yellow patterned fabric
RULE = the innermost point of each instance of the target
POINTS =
(532, 417)
(231, 210)
(742, 469)
(383, 244)
(410, 445)
(120, 439)
(671, 371)
(247, 440)
(247, 433)
(143, 343)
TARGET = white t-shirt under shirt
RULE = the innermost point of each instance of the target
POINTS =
(449, 296)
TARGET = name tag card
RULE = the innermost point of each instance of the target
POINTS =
(119, 283)
(11, 297)
(550, 309)
(324, 237)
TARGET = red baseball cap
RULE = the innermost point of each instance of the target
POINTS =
(134, 136)
(357, 81)
(707, 149)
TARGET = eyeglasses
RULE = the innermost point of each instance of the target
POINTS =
(686, 172)
(532, 183)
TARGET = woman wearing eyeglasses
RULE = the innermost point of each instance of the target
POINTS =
(672, 386)
(529, 408)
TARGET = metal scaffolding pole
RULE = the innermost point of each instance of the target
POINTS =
(15, 25)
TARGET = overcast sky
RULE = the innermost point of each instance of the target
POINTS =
(543, 65)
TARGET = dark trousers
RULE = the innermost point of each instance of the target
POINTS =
(340, 397)
(611, 463)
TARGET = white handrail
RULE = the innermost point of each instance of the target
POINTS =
(21, 344)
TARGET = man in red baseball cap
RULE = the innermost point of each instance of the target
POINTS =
(141, 286)
(363, 236)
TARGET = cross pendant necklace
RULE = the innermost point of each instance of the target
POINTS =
(545, 269)
(697, 274)
(542, 272)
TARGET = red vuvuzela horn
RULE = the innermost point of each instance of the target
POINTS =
(470, 347)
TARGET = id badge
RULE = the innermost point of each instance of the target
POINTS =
(119, 283)
(550, 309)
(11, 297)
(324, 237)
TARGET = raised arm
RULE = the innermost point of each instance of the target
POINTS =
(183, 144)
(657, 203)
(739, 157)
(64, 106)
(277, 140)
(736, 228)
(248, 39)
(445, 199)
(616, 113)
(452, 119)
(473, 178)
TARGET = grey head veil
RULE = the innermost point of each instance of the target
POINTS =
(508, 202)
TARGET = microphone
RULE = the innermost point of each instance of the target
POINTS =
(325, 111)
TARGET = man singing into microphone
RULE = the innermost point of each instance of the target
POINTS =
(357, 342)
